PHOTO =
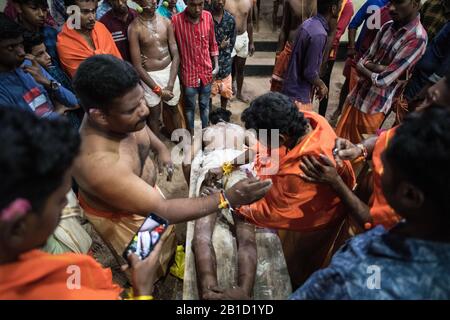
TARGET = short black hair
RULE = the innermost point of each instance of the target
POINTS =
(9, 29)
(32, 39)
(35, 155)
(324, 6)
(68, 3)
(37, 3)
(102, 78)
(274, 110)
(420, 152)
(219, 114)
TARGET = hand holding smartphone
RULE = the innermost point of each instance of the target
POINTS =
(148, 235)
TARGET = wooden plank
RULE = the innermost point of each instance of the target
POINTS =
(272, 279)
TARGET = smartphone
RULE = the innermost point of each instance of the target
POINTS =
(148, 235)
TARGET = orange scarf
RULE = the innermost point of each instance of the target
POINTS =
(37, 275)
(73, 48)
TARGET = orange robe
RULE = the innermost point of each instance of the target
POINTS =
(292, 203)
(311, 214)
(281, 65)
(380, 210)
(73, 48)
(361, 123)
(37, 275)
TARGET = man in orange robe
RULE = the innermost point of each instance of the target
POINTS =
(74, 45)
(311, 215)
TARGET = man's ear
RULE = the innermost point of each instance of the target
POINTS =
(410, 196)
(14, 232)
(98, 116)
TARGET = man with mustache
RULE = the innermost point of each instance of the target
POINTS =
(77, 43)
(115, 173)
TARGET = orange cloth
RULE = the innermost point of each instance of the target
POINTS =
(222, 87)
(73, 48)
(380, 210)
(354, 123)
(354, 78)
(292, 203)
(37, 275)
(281, 65)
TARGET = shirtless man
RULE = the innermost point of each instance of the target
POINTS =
(223, 142)
(244, 46)
(151, 36)
(114, 171)
(294, 13)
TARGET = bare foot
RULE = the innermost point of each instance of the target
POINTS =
(243, 98)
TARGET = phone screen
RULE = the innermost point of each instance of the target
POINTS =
(147, 237)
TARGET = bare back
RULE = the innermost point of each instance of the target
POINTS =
(102, 157)
(153, 41)
(299, 11)
(240, 9)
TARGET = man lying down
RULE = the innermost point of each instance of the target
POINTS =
(223, 142)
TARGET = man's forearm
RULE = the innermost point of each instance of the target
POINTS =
(184, 210)
(351, 38)
(369, 143)
(358, 209)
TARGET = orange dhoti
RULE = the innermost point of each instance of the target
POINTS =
(281, 65)
(118, 228)
(354, 123)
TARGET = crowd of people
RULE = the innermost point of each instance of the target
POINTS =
(84, 85)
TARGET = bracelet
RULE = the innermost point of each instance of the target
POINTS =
(367, 226)
(364, 151)
(157, 90)
(223, 204)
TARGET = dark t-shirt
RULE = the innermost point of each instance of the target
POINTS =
(119, 31)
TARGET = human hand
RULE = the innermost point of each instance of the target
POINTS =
(215, 71)
(251, 49)
(351, 52)
(345, 150)
(143, 272)
(247, 191)
(36, 71)
(225, 43)
(322, 171)
(321, 91)
(165, 164)
(166, 95)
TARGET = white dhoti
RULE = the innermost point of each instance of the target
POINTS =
(241, 46)
(161, 78)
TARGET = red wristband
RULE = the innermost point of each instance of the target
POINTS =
(157, 90)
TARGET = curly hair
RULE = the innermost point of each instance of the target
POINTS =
(219, 114)
(36, 153)
(32, 39)
(101, 79)
(274, 110)
(9, 29)
(420, 151)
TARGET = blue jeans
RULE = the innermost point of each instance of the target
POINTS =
(204, 93)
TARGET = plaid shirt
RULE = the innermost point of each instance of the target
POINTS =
(399, 49)
(197, 44)
(434, 16)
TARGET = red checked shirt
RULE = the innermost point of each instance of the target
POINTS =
(196, 44)
(399, 49)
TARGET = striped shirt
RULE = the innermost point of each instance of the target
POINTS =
(196, 44)
(398, 48)
(434, 15)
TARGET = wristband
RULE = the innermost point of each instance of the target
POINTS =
(364, 151)
(142, 298)
(157, 90)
